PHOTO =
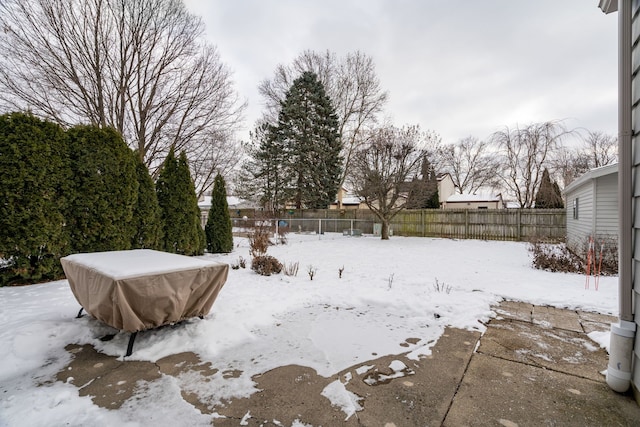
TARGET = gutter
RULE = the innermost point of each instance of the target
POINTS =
(619, 369)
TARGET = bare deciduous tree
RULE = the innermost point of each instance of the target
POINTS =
(217, 155)
(601, 149)
(567, 164)
(524, 153)
(384, 165)
(470, 163)
(597, 149)
(352, 86)
(137, 66)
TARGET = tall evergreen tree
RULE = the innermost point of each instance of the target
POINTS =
(218, 229)
(179, 211)
(548, 195)
(147, 224)
(261, 177)
(307, 135)
(100, 215)
(34, 172)
(423, 190)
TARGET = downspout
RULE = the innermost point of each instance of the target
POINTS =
(619, 370)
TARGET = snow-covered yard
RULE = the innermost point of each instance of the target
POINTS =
(389, 291)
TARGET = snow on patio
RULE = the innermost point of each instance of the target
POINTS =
(386, 296)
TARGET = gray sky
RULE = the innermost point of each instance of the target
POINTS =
(457, 67)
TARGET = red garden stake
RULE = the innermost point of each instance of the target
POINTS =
(597, 280)
(590, 251)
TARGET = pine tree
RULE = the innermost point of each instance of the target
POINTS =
(179, 211)
(34, 172)
(308, 139)
(423, 191)
(146, 215)
(548, 195)
(260, 176)
(558, 196)
(218, 229)
(105, 190)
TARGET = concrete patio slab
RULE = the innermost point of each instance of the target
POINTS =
(533, 366)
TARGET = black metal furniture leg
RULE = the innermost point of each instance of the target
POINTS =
(132, 338)
(80, 313)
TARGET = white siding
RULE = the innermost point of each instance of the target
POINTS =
(579, 230)
(607, 205)
(635, 113)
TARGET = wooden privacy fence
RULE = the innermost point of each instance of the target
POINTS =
(485, 224)
(495, 224)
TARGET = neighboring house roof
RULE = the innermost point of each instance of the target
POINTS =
(460, 198)
(351, 200)
(232, 201)
(592, 174)
(442, 176)
(512, 205)
(348, 198)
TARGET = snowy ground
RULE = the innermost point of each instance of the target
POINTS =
(388, 292)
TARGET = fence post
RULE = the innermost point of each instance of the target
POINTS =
(466, 223)
(519, 231)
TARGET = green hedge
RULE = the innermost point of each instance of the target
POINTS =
(34, 179)
(84, 190)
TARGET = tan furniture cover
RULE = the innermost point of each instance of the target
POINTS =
(141, 289)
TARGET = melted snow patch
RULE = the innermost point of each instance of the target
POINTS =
(601, 337)
(399, 370)
(364, 369)
(339, 396)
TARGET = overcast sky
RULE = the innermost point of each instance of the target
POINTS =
(457, 67)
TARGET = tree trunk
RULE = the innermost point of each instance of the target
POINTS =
(385, 230)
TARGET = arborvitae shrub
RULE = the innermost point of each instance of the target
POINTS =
(34, 171)
(179, 211)
(218, 229)
(105, 190)
(146, 214)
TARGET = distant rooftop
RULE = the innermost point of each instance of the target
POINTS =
(474, 198)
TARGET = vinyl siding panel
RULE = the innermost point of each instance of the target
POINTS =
(579, 230)
(635, 119)
(607, 205)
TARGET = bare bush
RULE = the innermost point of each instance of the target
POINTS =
(555, 258)
(266, 265)
(441, 287)
(311, 270)
(291, 268)
(259, 241)
(241, 263)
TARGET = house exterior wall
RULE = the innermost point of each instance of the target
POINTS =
(606, 205)
(446, 188)
(635, 171)
(596, 197)
(581, 227)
